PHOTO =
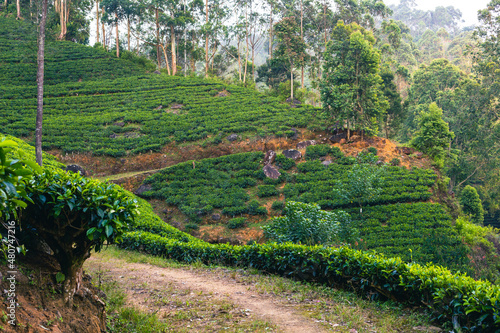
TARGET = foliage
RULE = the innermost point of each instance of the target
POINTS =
(433, 136)
(75, 215)
(236, 223)
(471, 204)
(395, 161)
(277, 205)
(266, 191)
(14, 175)
(470, 304)
(351, 88)
(283, 162)
(87, 116)
(307, 224)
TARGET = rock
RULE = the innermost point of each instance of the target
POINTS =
(296, 135)
(342, 141)
(75, 169)
(292, 153)
(232, 137)
(271, 172)
(113, 136)
(176, 106)
(120, 123)
(355, 138)
(379, 162)
(157, 72)
(419, 155)
(326, 163)
(270, 157)
(216, 217)
(143, 188)
(405, 150)
(337, 137)
(223, 93)
(159, 107)
(304, 144)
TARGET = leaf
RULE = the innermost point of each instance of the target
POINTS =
(60, 277)
(109, 230)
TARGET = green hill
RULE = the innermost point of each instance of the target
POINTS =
(142, 113)
(398, 222)
(64, 61)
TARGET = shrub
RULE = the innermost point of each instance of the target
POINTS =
(316, 151)
(284, 163)
(254, 208)
(266, 191)
(277, 205)
(192, 226)
(236, 223)
(307, 224)
(372, 150)
(395, 161)
(471, 204)
(75, 215)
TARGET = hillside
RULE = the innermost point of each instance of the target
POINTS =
(64, 61)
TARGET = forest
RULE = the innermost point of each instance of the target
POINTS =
(348, 143)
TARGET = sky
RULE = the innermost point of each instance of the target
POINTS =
(468, 8)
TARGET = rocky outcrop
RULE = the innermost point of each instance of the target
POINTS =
(304, 144)
(271, 172)
(292, 153)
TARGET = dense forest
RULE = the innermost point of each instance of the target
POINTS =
(218, 91)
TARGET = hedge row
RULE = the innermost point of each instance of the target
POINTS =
(457, 298)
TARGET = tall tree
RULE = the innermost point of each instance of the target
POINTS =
(291, 47)
(351, 89)
(39, 80)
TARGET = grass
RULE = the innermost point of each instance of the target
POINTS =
(335, 310)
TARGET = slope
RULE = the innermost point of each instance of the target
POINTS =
(64, 61)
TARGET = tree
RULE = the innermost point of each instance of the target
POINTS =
(39, 81)
(351, 88)
(433, 136)
(75, 215)
(471, 204)
(291, 47)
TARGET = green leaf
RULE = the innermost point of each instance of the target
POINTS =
(109, 230)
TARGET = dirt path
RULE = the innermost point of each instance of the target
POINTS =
(140, 281)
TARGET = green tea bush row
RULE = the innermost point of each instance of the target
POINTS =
(81, 117)
(453, 297)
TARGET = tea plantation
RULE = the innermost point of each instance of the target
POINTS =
(64, 61)
(397, 222)
(142, 113)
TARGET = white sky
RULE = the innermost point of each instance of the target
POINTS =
(468, 8)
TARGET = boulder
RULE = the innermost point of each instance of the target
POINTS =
(157, 72)
(143, 188)
(216, 217)
(119, 123)
(355, 138)
(405, 150)
(304, 144)
(159, 107)
(326, 163)
(419, 155)
(75, 169)
(336, 138)
(270, 157)
(113, 136)
(292, 153)
(271, 172)
(232, 137)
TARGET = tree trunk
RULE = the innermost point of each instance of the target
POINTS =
(167, 65)
(39, 80)
(239, 58)
(174, 54)
(18, 5)
(271, 33)
(158, 56)
(302, 37)
(253, 62)
(117, 38)
(291, 83)
(103, 31)
(246, 51)
(97, 18)
(128, 32)
(206, 40)
(5, 5)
